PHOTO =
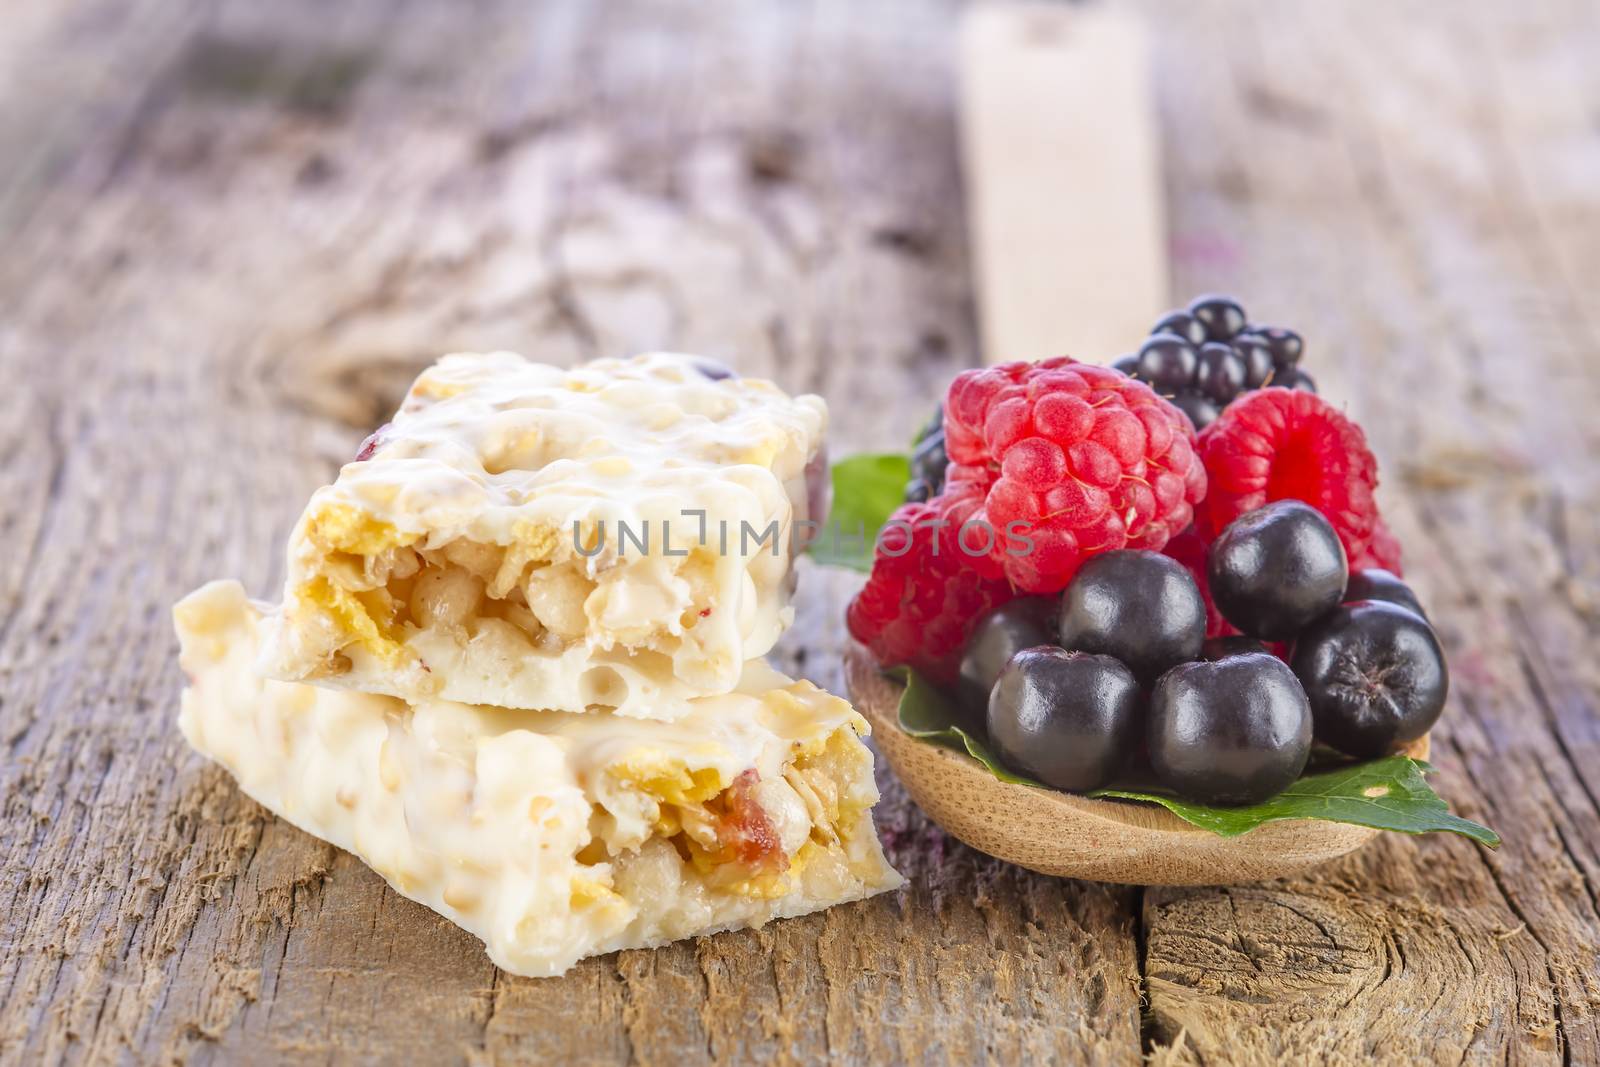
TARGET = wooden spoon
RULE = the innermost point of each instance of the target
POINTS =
(1075, 836)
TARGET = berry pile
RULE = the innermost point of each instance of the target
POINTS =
(1101, 581)
(1222, 721)
(1205, 355)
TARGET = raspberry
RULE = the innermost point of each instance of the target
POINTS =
(925, 595)
(1188, 549)
(1088, 460)
(1383, 553)
(1277, 444)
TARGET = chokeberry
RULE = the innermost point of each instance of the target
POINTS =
(1069, 719)
(1375, 674)
(1141, 607)
(1375, 583)
(1233, 731)
(1222, 647)
(1005, 631)
(1275, 569)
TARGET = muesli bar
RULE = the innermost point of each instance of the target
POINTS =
(551, 836)
(616, 534)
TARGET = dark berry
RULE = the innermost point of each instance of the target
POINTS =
(1286, 345)
(1141, 607)
(1221, 316)
(1184, 325)
(1257, 355)
(1222, 647)
(1295, 378)
(1128, 364)
(928, 460)
(1069, 719)
(1167, 362)
(934, 425)
(1375, 583)
(1221, 372)
(1275, 569)
(1233, 731)
(1375, 674)
(1010, 628)
(1202, 410)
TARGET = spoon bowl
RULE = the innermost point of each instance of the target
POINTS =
(1073, 836)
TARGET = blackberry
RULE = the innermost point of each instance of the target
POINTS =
(1202, 411)
(1203, 356)
(1167, 362)
(1295, 378)
(1286, 345)
(1258, 361)
(1222, 316)
(1184, 325)
(928, 460)
(1221, 375)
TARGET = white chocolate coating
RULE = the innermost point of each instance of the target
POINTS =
(551, 836)
(479, 552)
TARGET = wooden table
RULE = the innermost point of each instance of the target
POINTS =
(233, 231)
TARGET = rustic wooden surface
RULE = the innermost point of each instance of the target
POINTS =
(233, 230)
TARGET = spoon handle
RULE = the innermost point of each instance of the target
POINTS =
(1063, 175)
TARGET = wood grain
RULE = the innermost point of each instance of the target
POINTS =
(234, 230)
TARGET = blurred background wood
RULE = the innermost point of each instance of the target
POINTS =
(233, 231)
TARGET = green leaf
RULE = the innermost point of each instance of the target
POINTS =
(1386, 794)
(866, 490)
